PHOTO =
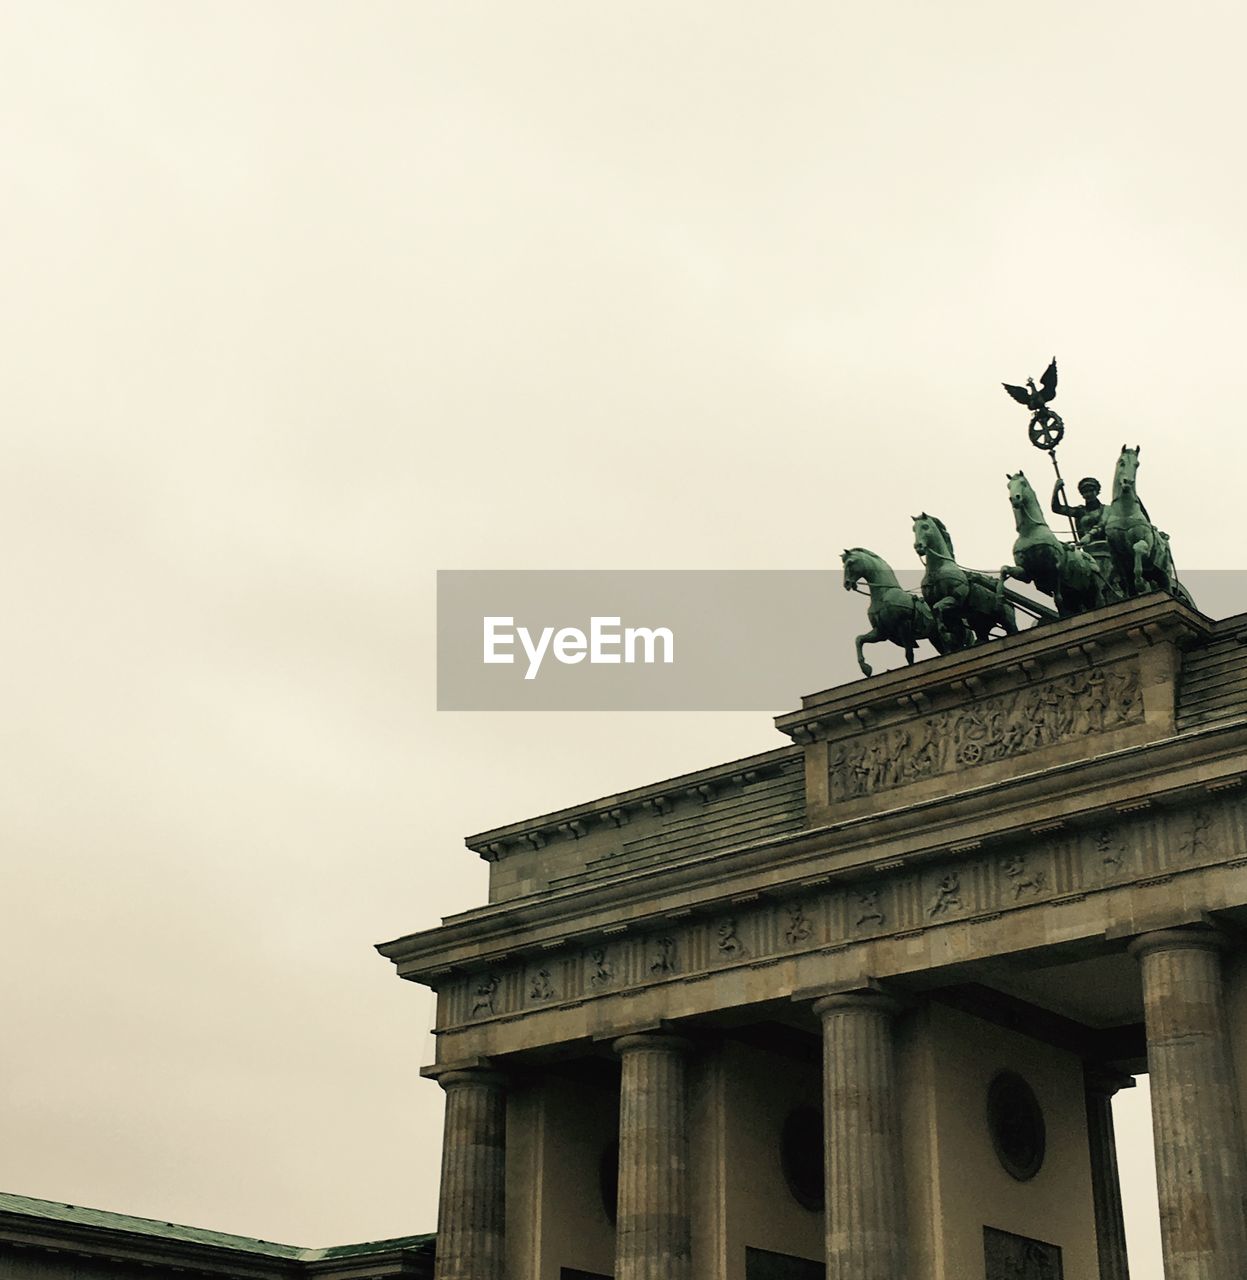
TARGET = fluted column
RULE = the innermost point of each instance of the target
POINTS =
(1199, 1155)
(1110, 1225)
(865, 1214)
(653, 1231)
(471, 1216)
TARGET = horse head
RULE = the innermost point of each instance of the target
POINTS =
(860, 564)
(931, 534)
(1126, 471)
(852, 567)
(1020, 491)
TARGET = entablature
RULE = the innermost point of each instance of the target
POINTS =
(990, 817)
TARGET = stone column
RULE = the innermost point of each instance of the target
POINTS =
(471, 1235)
(1110, 1226)
(1199, 1156)
(653, 1230)
(865, 1214)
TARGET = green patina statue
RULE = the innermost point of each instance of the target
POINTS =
(967, 605)
(894, 614)
(1116, 552)
(1046, 427)
(1088, 515)
(1071, 576)
(1140, 551)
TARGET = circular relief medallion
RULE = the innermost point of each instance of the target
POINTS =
(801, 1157)
(1015, 1121)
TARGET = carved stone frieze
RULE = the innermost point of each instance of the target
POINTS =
(1110, 851)
(799, 928)
(992, 728)
(662, 959)
(728, 945)
(1025, 879)
(968, 881)
(483, 1000)
(946, 896)
(865, 909)
(1197, 832)
(1011, 1257)
(601, 969)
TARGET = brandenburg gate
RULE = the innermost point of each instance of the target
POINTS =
(856, 1007)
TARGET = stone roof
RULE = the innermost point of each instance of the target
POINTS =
(1213, 684)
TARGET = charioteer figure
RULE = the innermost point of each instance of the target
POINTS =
(1088, 516)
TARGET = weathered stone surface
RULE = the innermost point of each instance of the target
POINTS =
(471, 1217)
(1200, 1165)
(865, 1211)
(653, 1226)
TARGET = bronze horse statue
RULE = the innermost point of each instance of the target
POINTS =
(1140, 551)
(894, 614)
(1070, 575)
(967, 605)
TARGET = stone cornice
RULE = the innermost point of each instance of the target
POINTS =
(1116, 781)
(493, 845)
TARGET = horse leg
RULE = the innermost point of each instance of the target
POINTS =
(1008, 618)
(1008, 571)
(871, 637)
(1140, 550)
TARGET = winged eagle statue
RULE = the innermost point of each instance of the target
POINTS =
(1046, 426)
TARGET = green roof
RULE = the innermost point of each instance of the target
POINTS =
(75, 1215)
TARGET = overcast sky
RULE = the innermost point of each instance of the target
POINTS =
(303, 301)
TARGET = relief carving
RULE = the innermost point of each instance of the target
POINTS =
(993, 728)
(664, 956)
(1196, 833)
(601, 969)
(729, 945)
(947, 895)
(1010, 1257)
(486, 989)
(1111, 849)
(1024, 880)
(799, 927)
(542, 988)
(869, 911)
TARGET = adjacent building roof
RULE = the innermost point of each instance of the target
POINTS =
(52, 1226)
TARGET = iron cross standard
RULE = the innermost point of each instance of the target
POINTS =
(1046, 428)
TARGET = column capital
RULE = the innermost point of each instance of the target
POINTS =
(653, 1041)
(1104, 1082)
(863, 1000)
(472, 1076)
(1176, 940)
